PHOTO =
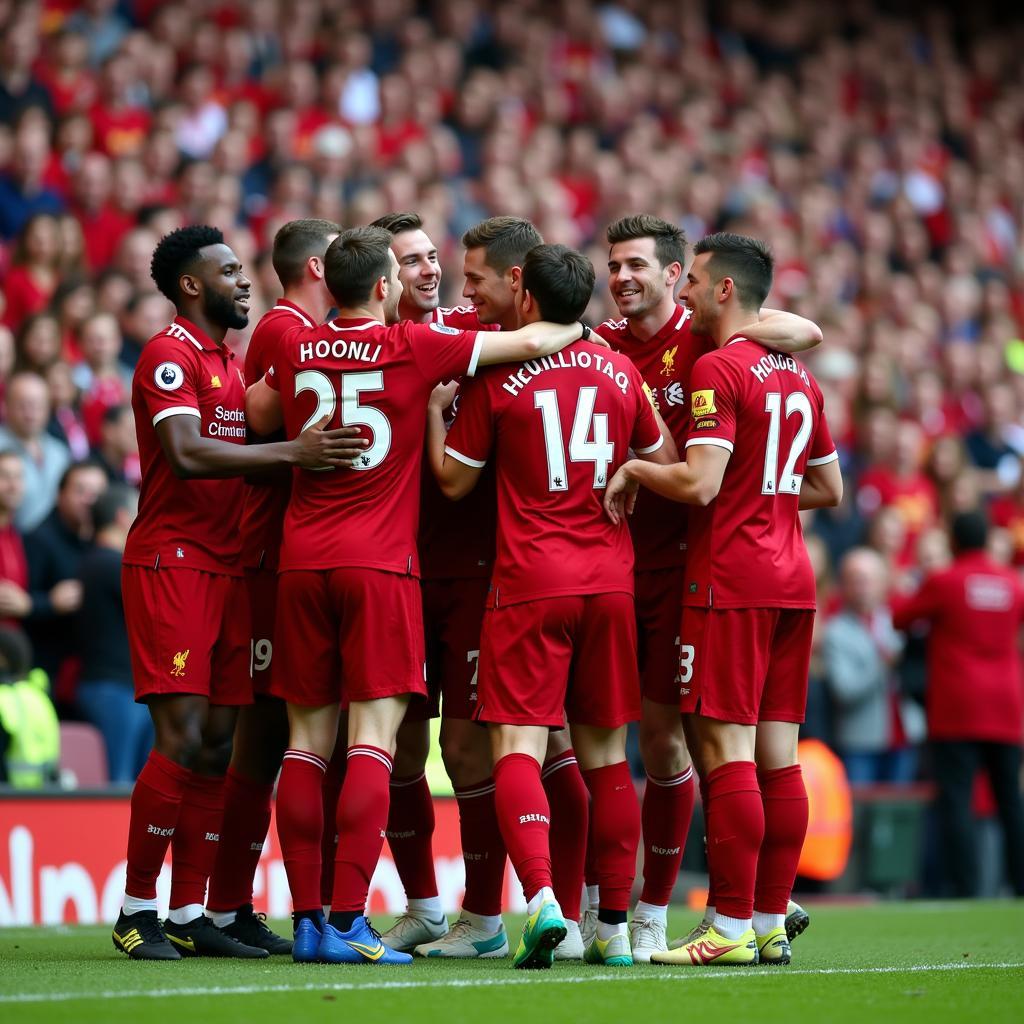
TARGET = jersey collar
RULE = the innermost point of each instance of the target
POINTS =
(667, 330)
(283, 305)
(189, 332)
(355, 323)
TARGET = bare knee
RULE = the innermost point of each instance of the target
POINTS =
(466, 754)
(663, 748)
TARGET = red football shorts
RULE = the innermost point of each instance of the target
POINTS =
(261, 585)
(745, 665)
(188, 632)
(347, 635)
(659, 605)
(453, 614)
(561, 657)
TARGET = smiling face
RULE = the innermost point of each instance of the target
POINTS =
(698, 294)
(490, 291)
(637, 280)
(419, 271)
(224, 287)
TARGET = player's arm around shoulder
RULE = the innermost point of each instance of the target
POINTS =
(782, 331)
(457, 466)
(263, 412)
(529, 342)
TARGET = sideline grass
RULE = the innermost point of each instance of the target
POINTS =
(916, 962)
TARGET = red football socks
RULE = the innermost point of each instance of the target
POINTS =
(570, 810)
(196, 838)
(735, 831)
(705, 804)
(300, 825)
(362, 816)
(410, 831)
(483, 848)
(785, 826)
(333, 779)
(242, 835)
(614, 831)
(155, 805)
(525, 819)
(667, 810)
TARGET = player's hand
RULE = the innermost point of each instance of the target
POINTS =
(596, 339)
(15, 603)
(66, 597)
(620, 496)
(443, 395)
(316, 448)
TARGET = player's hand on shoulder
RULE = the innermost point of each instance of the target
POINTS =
(620, 495)
(443, 395)
(596, 339)
(316, 448)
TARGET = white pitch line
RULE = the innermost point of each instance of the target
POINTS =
(639, 975)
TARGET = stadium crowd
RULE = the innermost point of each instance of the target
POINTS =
(880, 155)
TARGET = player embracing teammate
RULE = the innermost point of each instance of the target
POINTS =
(758, 450)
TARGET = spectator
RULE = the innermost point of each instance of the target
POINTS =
(66, 422)
(43, 458)
(860, 648)
(974, 698)
(118, 450)
(54, 551)
(35, 268)
(147, 313)
(23, 192)
(105, 694)
(15, 602)
(996, 445)
(101, 379)
(37, 345)
(19, 89)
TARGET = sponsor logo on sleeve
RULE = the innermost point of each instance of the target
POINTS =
(169, 376)
(444, 329)
(702, 403)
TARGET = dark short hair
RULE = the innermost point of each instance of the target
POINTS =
(110, 502)
(669, 241)
(295, 242)
(177, 253)
(970, 531)
(748, 261)
(15, 653)
(505, 241)
(89, 463)
(396, 223)
(114, 412)
(560, 279)
(356, 260)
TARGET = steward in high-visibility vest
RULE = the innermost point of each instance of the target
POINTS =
(31, 731)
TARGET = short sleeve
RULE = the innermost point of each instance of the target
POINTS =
(646, 436)
(823, 448)
(165, 379)
(444, 353)
(712, 405)
(471, 436)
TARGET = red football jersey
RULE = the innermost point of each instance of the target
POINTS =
(456, 539)
(265, 503)
(975, 608)
(746, 548)
(665, 362)
(191, 524)
(363, 374)
(560, 427)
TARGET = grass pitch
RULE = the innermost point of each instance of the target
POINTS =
(924, 962)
